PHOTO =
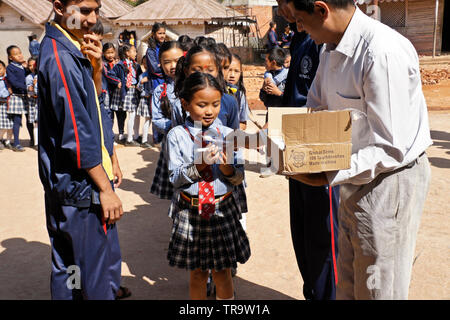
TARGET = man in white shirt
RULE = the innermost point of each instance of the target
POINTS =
(368, 67)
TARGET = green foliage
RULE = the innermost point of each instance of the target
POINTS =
(135, 3)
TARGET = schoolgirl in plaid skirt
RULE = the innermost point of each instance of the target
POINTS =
(6, 121)
(143, 110)
(206, 233)
(126, 97)
(18, 101)
(166, 114)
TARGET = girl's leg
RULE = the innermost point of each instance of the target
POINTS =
(2, 133)
(130, 125)
(224, 284)
(145, 130)
(16, 128)
(35, 131)
(121, 116)
(9, 134)
(30, 127)
(137, 124)
(197, 284)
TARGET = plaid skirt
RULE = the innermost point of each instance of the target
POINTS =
(241, 197)
(131, 100)
(161, 185)
(218, 243)
(6, 121)
(32, 110)
(115, 102)
(17, 104)
(143, 109)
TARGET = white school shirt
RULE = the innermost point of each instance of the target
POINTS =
(375, 70)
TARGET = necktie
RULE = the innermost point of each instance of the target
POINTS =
(130, 73)
(206, 199)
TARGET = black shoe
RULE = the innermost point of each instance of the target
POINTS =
(2, 146)
(131, 144)
(139, 140)
(18, 148)
(146, 145)
(8, 146)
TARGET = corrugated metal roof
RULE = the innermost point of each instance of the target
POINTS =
(38, 11)
(174, 11)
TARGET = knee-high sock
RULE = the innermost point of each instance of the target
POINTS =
(16, 128)
(121, 116)
(145, 130)
(30, 127)
(130, 125)
(35, 133)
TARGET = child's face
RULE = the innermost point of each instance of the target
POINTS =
(2, 70)
(270, 65)
(16, 56)
(110, 54)
(225, 66)
(169, 61)
(204, 106)
(32, 65)
(234, 72)
(287, 62)
(203, 62)
(160, 35)
(131, 54)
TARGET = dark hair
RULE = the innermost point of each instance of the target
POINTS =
(222, 52)
(271, 24)
(97, 28)
(108, 46)
(201, 41)
(186, 42)
(185, 62)
(278, 55)
(151, 41)
(65, 2)
(196, 82)
(32, 58)
(2, 63)
(123, 50)
(9, 49)
(308, 5)
(165, 105)
(240, 83)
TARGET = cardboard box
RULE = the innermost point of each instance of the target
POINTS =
(310, 142)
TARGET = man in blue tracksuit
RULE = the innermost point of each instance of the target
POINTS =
(314, 226)
(77, 162)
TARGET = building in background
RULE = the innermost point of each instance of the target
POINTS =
(415, 19)
(19, 19)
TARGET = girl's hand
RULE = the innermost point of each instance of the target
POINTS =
(226, 169)
(34, 81)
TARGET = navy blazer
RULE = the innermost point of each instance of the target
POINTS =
(305, 61)
(69, 128)
(16, 79)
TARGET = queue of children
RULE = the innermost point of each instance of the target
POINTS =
(18, 97)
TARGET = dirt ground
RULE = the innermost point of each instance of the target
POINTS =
(271, 273)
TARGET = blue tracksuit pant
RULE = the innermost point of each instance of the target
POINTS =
(78, 239)
(311, 231)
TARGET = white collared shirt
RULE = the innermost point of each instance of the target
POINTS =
(375, 70)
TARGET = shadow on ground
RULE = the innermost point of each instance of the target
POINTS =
(441, 140)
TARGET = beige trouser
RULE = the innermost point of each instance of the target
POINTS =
(378, 225)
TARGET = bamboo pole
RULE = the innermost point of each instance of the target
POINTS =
(436, 15)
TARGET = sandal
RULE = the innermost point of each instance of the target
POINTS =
(123, 293)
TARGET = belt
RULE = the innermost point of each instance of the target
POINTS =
(194, 201)
(413, 163)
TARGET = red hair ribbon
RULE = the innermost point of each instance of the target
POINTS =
(164, 92)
